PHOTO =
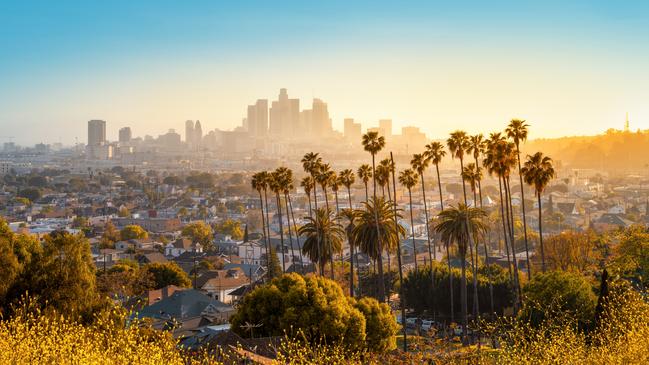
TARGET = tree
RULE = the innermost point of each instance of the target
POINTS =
(460, 226)
(560, 293)
(307, 184)
(380, 326)
(373, 143)
(275, 185)
(274, 268)
(311, 163)
(517, 131)
(111, 234)
(164, 274)
(372, 241)
(37, 181)
(259, 182)
(347, 179)
(364, 173)
(631, 255)
(419, 163)
(575, 251)
(316, 309)
(230, 227)
(408, 179)
(537, 172)
(457, 143)
(199, 232)
(33, 194)
(323, 235)
(132, 232)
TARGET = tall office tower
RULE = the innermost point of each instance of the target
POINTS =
(198, 134)
(257, 118)
(96, 132)
(189, 132)
(125, 134)
(385, 128)
(285, 116)
(352, 131)
(320, 121)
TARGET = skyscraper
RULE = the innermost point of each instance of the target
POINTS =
(125, 134)
(285, 116)
(320, 121)
(352, 131)
(257, 118)
(385, 126)
(96, 132)
(189, 132)
(198, 134)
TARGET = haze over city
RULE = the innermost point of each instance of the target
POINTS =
(569, 68)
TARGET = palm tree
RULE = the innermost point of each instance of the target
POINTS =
(275, 185)
(259, 183)
(311, 163)
(419, 163)
(287, 185)
(373, 143)
(323, 235)
(435, 153)
(408, 178)
(386, 168)
(346, 178)
(307, 184)
(473, 174)
(460, 225)
(517, 131)
(325, 177)
(457, 144)
(381, 178)
(375, 231)
(364, 173)
(499, 160)
(538, 171)
(350, 214)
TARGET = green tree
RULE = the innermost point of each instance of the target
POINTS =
(317, 308)
(537, 172)
(199, 232)
(323, 236)
(364, 173)
(33, 194)
(164, 274)
(133, 231)
(380, 325)
(460, 226)
(230, 227)
(560, 293)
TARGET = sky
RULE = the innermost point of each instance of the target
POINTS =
(567, 67)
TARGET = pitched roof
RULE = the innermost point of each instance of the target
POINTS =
(222, 279)
(184, 304)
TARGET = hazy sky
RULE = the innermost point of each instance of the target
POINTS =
(568, 67)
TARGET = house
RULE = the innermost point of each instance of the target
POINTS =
(185, 305)
(182, 245)
(136, 244)
(220, 283)
(150, 224)
(252, 271)
(609, 222)
(151, 258)
(157, 295)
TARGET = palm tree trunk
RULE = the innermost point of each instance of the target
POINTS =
(381, 282)
(351, 251)
(476, 302)
(502, 218)
(297, 238)
(486, 253)
(527, 250)
(412, 228)
(448, 252)
(366, 192)
(342, 263)
(310, 210)
(263, 228)
(508, 202)
(270, 251)
(541, 233)
(331, 254)
(290, 235)
(281, 231)
(463, 299)
(402, 299)
(431, 250)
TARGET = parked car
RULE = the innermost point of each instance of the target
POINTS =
(427, 325)
(411, 322)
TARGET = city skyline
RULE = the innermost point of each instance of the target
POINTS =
(567, 68)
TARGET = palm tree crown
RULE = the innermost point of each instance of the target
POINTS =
(457, 144)
(408, 178)
(323, 236)
(365, 232)
(538, 171)
(372, 142)
(517, 131)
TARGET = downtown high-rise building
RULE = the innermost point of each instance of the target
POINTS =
(352, 131)
(285, 116)
(256, 122)
(96, 132)
(193, 134)
(125, 134)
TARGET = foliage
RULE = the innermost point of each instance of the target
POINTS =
(164, 274)
(421, 295)
(380, 326)
(315, 309)
(631, 255)
(571, 250)
(32, 194)
(230, 227)
(199, 232)
(132, 232)
(567, 293)
(323, 236)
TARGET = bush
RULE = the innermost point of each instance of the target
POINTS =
(315, 308)
(559, 293)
